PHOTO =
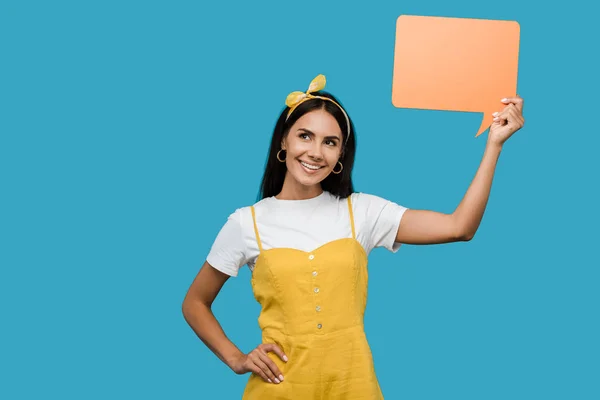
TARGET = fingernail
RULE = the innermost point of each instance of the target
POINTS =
(503, 100)
(269, 381)
(495, 114)
(276, 380)
(281, 377)
(285, 358)
(496, 119)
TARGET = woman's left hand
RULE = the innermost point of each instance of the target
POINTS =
(507, 121)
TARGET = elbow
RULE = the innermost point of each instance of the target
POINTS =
(462, 231)
(187, 307)
(466, 236)
(191, 306)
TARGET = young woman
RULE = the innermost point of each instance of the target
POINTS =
(307, 242)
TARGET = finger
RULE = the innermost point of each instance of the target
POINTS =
(517, 101)
(516, 119)
(503, 111)
(520, 103)
(500, 117)
(500, 121)
(276, 349)
(506, 112)
(510, 117)
(514, 114)
(273, 369)
(260, 363)
(517, 115)
(254, 368)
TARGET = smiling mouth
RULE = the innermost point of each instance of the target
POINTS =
(310, 167)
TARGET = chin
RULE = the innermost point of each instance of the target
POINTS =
(309, 182)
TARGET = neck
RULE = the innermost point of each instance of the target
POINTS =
(295, 191)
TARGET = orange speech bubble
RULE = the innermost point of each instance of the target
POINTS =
(455, 64)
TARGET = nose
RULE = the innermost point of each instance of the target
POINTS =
(314, 151)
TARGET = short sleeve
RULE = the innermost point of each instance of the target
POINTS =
(377, 221)
(228, 252)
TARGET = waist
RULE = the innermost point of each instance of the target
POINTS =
(313, 331)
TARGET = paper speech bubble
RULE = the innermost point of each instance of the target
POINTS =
(455, 64)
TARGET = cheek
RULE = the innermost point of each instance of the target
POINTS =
(333, 155)
(295, 149)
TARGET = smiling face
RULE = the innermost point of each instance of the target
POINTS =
(313, 147)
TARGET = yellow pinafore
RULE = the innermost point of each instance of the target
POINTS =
(313, 305)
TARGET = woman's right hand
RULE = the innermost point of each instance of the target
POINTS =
(258, 362)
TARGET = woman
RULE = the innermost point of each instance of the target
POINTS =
(307, 242)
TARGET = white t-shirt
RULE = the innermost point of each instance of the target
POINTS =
(304, 225)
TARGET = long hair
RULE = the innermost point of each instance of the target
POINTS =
(339, 185)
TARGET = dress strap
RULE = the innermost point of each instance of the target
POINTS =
(351, 217)
(256, 229)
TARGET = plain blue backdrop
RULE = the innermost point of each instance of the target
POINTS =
(130, 130)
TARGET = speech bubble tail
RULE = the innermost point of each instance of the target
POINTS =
(485, 124)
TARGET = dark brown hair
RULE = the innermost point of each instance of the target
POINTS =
(337, 184)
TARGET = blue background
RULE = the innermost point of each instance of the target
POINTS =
(129, 131)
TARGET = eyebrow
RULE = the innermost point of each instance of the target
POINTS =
(335, 137)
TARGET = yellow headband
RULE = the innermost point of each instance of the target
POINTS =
(294, 99)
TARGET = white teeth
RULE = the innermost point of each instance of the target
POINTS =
(313, 167)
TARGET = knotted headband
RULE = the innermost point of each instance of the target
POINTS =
(296, 98)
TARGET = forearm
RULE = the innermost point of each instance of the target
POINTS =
(203, 322)
(470, 211)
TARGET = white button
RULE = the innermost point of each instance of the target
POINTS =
(314, 273)
(319, 326)
(318, 308)
(316, 290)
(311, 257)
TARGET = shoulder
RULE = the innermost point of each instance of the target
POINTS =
(243, 215)
(377, 219)
(260, 208)
(374, 207)
(366, 200)
(238, 215)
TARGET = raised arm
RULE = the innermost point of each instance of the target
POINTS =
(431, 227)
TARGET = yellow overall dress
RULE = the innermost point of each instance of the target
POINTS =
(312, 306)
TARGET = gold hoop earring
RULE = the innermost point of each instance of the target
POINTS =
(279, 159)
(341, 168)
